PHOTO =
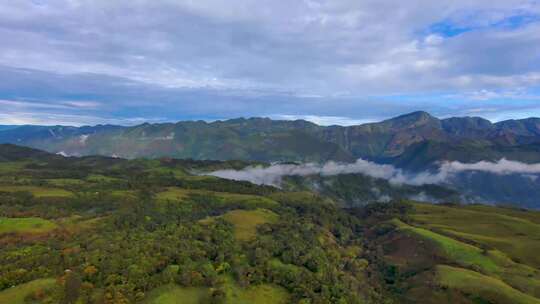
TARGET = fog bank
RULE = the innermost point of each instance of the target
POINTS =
(273, 175)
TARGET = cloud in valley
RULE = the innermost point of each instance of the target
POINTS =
(273, 175)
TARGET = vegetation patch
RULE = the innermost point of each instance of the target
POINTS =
(517, 233)
(174, 294)
(173, 194)
(245, 222)
(98, 178)
(233, 294)
(260, 294)
(459, 252)
(65, 182)
(223, 198)
(37, 191)
(479, 287)
(6, 167)
(25, 225)
(17, 294)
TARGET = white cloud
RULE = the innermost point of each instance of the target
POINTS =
(47, 118)
(273, 175)
(346, 48)
(325, 120)
(271, 44)
(502, 167)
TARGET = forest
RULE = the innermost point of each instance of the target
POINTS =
(108, 230)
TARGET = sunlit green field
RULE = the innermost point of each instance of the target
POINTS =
(25, 225)
(173, 294)
(179, 194)
(17, 294)
(495, 249)
(233, 294)
(517, 233)
(481, 286)
(245, 222)
(463, 253)
(38, 191)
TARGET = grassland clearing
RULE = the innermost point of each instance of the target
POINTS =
(174, 294)
(38, 191)
(514, 232)
(260, 294)
(17, 294)
(180, 194)
(245, 222)
(26, 225)
(234, 294)
(478, 286)
(462, 253)
(497, 243)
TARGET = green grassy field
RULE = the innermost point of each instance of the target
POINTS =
(517, 233)
(65, 182)
(178, 173)
(245, 222)
(478, 286)
(25, 225)
(38, 191)
(98, 178)
(179, 194)
(173, 294)
(7, 167)
(486, 242)
(17, 294)
(173, 194)
(462, 253)
(260, 294)
(77, 223)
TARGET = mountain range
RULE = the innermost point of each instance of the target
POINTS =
(414, 141)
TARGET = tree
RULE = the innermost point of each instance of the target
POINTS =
(72, 287)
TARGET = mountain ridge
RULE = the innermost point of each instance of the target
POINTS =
(264, 139)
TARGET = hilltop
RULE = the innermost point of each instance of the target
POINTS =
(109, 230)
(413, 141)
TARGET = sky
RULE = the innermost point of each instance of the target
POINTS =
(343, 62)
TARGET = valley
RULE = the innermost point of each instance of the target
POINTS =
(108, 230)
(416, 143)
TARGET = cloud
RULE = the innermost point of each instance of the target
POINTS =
(326, 120)
(423, 197)
(502, 167)
(47, 118)
(273, 175)
(222, 59)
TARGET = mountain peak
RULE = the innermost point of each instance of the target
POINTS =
(413, 119)
(416, 115)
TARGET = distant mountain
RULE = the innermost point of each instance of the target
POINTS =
(6, 127)
(9, 152)
(412, 141)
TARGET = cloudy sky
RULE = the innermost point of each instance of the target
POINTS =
(337, 61)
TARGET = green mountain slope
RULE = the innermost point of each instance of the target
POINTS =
(457, 254)
(109, 230)
(263, 139)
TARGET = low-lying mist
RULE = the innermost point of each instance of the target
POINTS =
(272, 175)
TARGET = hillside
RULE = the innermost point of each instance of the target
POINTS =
(457, 254)
(110, 230)
(399, 140)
